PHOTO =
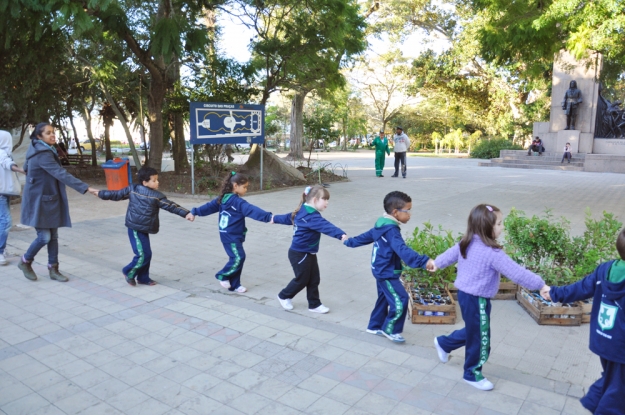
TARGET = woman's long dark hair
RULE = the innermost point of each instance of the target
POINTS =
(228, 184)
(39, 130)
(482, 220)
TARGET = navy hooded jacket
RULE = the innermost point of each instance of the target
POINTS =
(308, 227)
(232, 213)
(607, 319)
(389, 249)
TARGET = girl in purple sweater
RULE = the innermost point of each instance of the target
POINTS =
(480, 260)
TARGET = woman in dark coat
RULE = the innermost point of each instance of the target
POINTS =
(44, 201)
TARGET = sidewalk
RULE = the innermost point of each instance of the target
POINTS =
(98, 346)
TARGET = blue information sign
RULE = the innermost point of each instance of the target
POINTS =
(222, 123)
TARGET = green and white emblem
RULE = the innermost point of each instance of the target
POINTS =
(607, 316)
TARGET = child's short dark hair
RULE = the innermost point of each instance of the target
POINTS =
(395, 200)
(620, 244)
(145, 173)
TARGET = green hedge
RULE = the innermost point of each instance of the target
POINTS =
(488, 149)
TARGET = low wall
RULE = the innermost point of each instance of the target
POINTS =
(609, 146)
(606, 163)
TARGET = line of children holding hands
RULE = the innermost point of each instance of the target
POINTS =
(480, 261)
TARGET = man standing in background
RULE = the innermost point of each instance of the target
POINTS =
(381, 146)
(402, 144)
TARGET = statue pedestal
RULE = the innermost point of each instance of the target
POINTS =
(614, 146)
(555, 141)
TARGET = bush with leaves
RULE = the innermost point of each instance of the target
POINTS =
(489, 149)
(431, 242)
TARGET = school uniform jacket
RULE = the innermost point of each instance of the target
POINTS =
(143, 206)
(607, 318)
(389, 249)
(308, 227)
(232, 213)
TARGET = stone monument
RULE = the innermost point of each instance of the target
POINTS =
(566, 71)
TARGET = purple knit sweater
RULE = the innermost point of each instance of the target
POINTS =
(478, 274)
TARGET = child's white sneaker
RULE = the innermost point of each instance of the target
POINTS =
(443, 356)
(376, 332)
(396, 338)
(3, 260)
(286, 303)
(321, 309)
(225, 284)
(483, 385)
(240, 289)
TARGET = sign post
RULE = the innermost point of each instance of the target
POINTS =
(226, 123)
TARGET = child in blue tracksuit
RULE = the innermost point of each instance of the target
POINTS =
(308, 226)
(389, 249)
(232, 213)
(606, 286)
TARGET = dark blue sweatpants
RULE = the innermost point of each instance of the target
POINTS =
(475, 335)
(605, 396)
(389, 313)
(139, 267)
(232, 270)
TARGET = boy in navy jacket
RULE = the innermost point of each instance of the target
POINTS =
(606, 286)
(389, 249)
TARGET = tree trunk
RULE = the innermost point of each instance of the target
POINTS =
(86, 116)
(297, 125)
(178, 143)
(71, 121)
(107, 141)
(156, 97)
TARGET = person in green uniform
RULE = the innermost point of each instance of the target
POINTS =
(381, 146)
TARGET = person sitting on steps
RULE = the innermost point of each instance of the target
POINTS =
(536, 146)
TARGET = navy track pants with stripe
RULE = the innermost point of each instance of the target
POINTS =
(307, 276)
(233, 269)
(139, 267)
(389, 313)
(475, 336)
(605, 396)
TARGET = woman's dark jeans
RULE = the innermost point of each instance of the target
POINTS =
(45, 236)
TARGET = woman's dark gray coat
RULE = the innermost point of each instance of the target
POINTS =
(44, 201)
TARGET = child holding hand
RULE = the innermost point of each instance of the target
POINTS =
(233, 210)
(389, 250)
(308, 226)
(480, 260)
(606, 286)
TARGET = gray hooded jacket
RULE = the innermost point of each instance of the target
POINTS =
(44, 201)
(7, 187)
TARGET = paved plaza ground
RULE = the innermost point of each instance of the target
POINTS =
(95, 345)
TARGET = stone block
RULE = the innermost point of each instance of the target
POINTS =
(541, 128)
(549, 141)
(585, 143)
(604, 163)
(614, 146)
(567, 136)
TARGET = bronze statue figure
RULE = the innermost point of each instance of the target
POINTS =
(572, 98)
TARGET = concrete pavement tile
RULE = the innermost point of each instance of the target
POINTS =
(281, 338)
(101, 358)
(393, 356)
(546, 398)
(188, 338)
(576, 391)
(486, 411)
(290, 356)
(298, 398)
(305, 345)
(118, 366)
(391, 389)
(346, 394)
(100, 408)
(43, 380)
(327, 406)
(336, 371)
(112, 340)
(321, 336)
(77, 402)
(206, 345)
(514, 389)
(244, 342)
(59, 391)
(572, 406)
(201, 405)
(48, 410)
(451, 406)
(263, 332)
(108, 389)
(143, 356)
(267, 349)
(421, 364)
(135, 375)
(225, 392)
(248, 379)
(405, 409)
(32, 344)
(531, 408)
(12, 392)
(154, 386)
(376, 403)
(278, 409)
(293, 376)
(272, 388)
(184, 354)
(74, 369)
(353, 360)
(9, 352)
(180, 372)
(202, 383)
(25, 405)
(363, 380)
(246, 359)
(251, 403)
(423, 398)
(16, 362)
(270, 367)
(90, 378)
(127, 399)
(149, 407)
(176, 395)
(406, 376)
(225, 369)
(328, 352)
(224, 352)
(379, 367)
(318, 384)
(28, 371)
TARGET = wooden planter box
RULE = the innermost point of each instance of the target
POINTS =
(507, 291)
(586, 309)
(546, 315)
(432, 314)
